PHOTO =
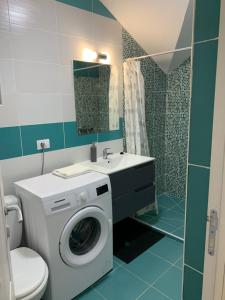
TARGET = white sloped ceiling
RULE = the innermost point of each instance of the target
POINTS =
(157, 25)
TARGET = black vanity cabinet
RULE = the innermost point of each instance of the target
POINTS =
(132, 189)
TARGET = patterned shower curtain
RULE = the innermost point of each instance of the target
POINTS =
(134, 105)
(114, 98)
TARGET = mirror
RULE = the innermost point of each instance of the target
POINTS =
(96, 97)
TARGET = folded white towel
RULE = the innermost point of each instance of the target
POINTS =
(71, 171)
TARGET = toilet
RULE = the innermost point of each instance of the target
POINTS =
(29, 270)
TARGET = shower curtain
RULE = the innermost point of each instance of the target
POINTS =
(114, 99)
(134, 105)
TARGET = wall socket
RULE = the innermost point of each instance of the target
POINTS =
(46, 143)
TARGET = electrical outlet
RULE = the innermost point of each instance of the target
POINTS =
(45, 142)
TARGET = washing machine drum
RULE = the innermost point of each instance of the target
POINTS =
(84, 236)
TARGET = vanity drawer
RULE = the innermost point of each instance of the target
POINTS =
(122, 182)
(144, 174)
(144, 196)
(127, 180)
(128, 204)
(122, 207)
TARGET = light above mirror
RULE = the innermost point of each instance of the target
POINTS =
(93, 56)
(89, 55)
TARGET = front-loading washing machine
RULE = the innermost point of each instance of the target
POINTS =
(69, 222)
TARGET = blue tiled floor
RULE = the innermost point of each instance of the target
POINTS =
(171, 216)
(154, 275)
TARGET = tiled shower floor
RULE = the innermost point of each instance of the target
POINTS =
(154, 275)
(171, 216)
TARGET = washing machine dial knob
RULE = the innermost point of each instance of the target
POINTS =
(83, 197)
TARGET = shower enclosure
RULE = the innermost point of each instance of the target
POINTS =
(167, 106)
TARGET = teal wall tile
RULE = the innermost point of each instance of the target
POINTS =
(202, 105)
(10, 145)
(206, 19)
(109, 135)
(90, 5)
(83, 4)
(31, 133)
(11, 139)
(197, 203)
(193, 284)
(100, 9)
(72, 139)
(203, 93)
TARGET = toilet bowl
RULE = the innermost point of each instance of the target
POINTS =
(29, 270)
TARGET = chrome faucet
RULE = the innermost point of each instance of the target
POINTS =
(106, 153)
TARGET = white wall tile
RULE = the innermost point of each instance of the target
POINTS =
(32, 77)
(107, 37)
(5, 47)
(4, 13)
(4, 26)
(115, 53)
(68, 104)
(33, 13)
(71, 48)
(37, 84)
(13, 169)
(39, 108)
(19, 168)
(66, 79)
(8, 111)
(115, 146)
(74, 21)
(34, 44)
(107, 30)
(7, 82)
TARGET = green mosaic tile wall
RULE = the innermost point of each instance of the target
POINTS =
(177, 128)
(167, 102)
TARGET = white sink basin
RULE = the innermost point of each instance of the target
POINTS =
(111, 162)
(116, 162)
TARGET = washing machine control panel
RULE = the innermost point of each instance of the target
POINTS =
(102, 189)
(78, 197)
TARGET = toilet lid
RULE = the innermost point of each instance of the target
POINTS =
(28, 270)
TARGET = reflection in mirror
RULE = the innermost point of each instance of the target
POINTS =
(96, 97)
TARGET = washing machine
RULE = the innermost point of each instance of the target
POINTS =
(69, 223)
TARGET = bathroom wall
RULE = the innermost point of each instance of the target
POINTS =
(206, 37)
(167, 104)
(176, 129)
(39, 41)
(155, 105)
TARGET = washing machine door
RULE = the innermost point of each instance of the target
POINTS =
(84, 236)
